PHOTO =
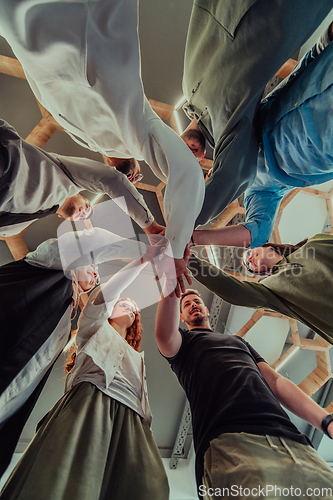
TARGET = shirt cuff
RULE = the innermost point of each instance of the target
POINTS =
(148, 223)
(176, 248)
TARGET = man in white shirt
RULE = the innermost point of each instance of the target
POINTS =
(82, 61)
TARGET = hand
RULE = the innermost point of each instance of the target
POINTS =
(152, 252)
(174, 270)
(180, 271)
(153, 230)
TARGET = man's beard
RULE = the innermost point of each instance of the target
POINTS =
(70, 210)
(197, 320)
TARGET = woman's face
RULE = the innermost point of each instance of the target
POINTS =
(124, 311)
(87, 278)
(260, 259)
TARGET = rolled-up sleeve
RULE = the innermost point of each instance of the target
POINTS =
(261, 211)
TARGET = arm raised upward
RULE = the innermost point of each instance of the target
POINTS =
(167, 333)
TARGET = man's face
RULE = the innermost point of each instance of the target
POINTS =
(191, 138)
(259, 259)
(194, 311)
(75, 208)
(134, 174)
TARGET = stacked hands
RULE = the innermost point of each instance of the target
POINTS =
(175, 270)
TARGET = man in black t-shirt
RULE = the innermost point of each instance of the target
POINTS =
(244, 441)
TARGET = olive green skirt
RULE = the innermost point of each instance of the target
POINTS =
(89, 447)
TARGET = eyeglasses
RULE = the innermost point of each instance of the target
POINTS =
(83, 214)
(125, 304)
(134, 178)
(98, 278)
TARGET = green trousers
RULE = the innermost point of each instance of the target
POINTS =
(89, 447)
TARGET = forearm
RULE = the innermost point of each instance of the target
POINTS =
(81, 249)
(296, 401)
(97, 177)
(227, 287)
(121, 280)
(101, 302)
(166, 328)
(121, 189)
(238, 236)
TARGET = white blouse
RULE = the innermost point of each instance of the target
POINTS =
(105, 359)
(110, 363)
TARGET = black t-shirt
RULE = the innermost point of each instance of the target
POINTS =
(226, 390)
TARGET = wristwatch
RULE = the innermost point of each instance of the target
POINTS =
(325, 423)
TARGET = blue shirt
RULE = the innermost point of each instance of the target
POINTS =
(297, 130)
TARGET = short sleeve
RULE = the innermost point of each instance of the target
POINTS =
(255, 354)
(46, 255)
(177, 360)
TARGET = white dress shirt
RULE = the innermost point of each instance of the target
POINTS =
(83, 64)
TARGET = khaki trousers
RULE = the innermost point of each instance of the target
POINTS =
(241, 465)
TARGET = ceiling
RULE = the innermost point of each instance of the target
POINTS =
(162, 29)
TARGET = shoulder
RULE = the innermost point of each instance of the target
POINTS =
(46, 255)
(185, 337)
